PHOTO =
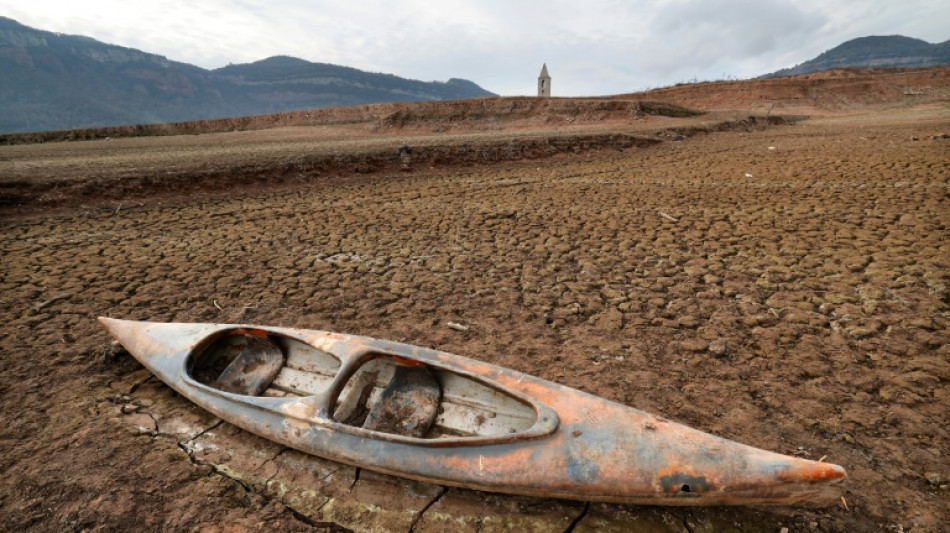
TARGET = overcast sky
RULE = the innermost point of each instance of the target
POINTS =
(591, 47)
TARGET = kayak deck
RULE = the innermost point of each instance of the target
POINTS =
(463, 406)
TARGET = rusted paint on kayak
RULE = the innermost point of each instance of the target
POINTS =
(495, 429)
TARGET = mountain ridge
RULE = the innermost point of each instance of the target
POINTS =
(55, 81)
(875, 51)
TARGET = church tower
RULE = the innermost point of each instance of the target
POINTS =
(544, 83)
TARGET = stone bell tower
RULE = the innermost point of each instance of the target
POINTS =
(544, 83)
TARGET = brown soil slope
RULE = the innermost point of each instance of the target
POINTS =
(473, 114)
(781, 285)
(834, 91)
(808, 94)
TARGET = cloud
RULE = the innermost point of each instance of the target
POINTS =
(591, 48)
(697, 38)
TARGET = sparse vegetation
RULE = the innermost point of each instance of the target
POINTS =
(668, 110)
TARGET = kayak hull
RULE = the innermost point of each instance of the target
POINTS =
(571, 444)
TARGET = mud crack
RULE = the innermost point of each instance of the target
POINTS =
(138, 384)
(686, 523)
(183, 445)
(578, 518)
(155, 432)
(209, 428)
(326, 526)
(272, 476)
(422, 512)
(248, 488)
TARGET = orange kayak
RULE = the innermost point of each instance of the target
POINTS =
(434, 416)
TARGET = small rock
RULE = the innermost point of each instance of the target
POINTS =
(934, 478)
(718, 348)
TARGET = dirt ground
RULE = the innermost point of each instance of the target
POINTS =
(785, 286)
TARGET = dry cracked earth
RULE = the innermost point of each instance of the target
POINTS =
(785, 287)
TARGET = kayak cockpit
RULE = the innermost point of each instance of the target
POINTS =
(381, 392)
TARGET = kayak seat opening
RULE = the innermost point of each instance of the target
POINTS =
(256, 363)
(239, 362)
(400, 398)
(404, 397)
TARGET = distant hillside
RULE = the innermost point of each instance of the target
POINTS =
(874, 52)
(52, 81)
(284, 83)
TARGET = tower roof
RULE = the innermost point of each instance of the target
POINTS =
(544, 71)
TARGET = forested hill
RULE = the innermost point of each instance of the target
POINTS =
(54, 81)
(876, 51)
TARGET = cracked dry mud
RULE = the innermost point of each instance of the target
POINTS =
(786, 288)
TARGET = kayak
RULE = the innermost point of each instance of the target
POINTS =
(433, 416)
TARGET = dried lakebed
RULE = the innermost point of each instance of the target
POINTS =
(794, 298)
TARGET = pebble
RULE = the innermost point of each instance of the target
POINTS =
(719, 348)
